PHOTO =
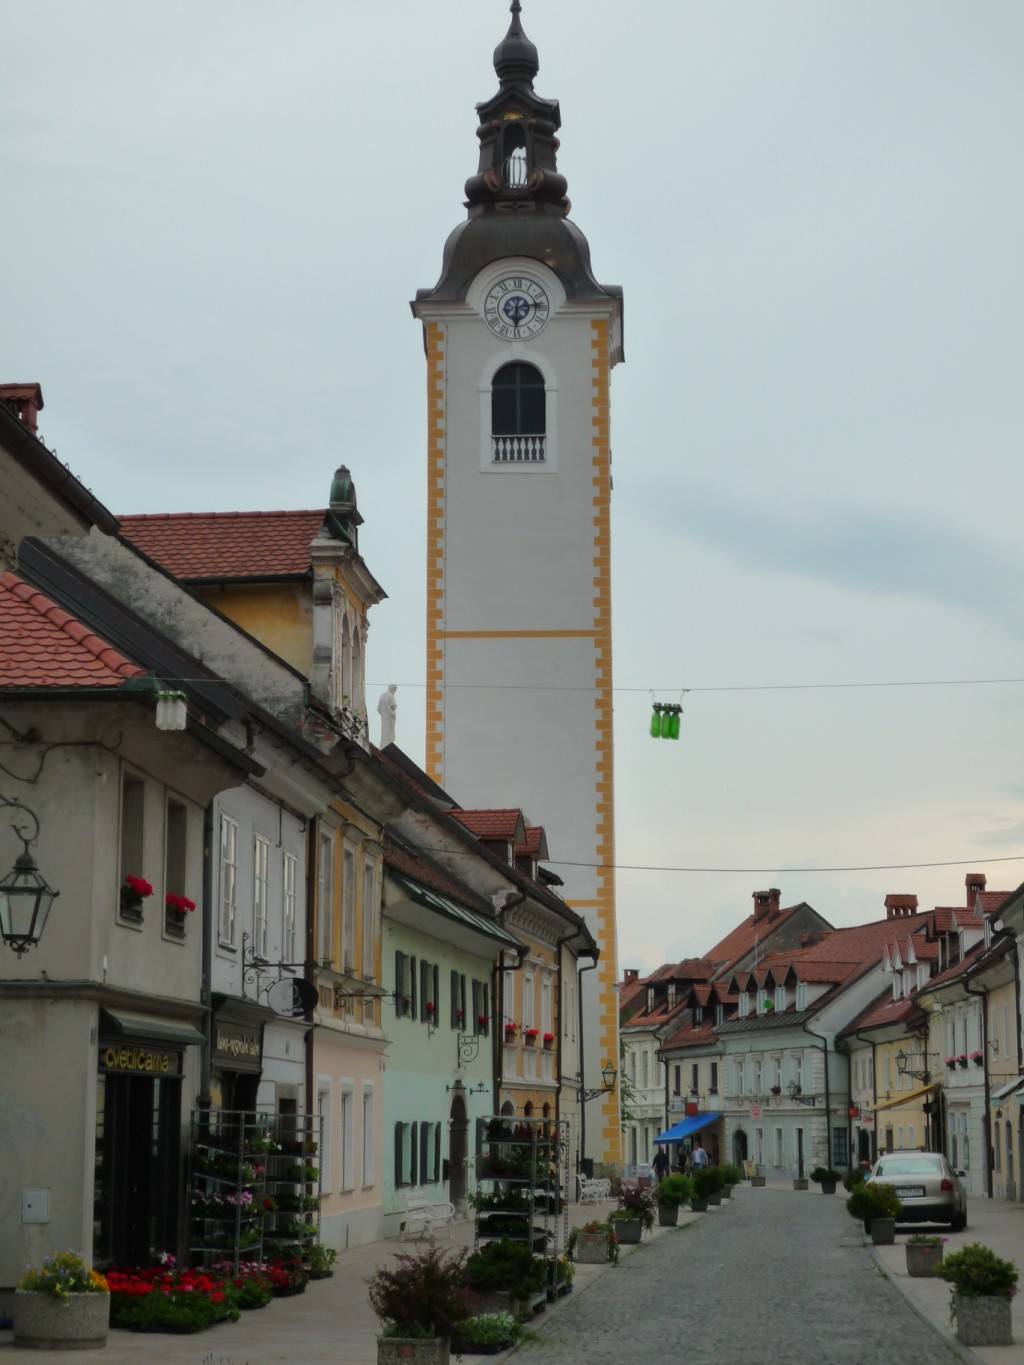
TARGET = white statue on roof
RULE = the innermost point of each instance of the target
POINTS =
(387, 709)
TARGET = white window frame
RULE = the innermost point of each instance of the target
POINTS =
(347, 1135)
(227, 918)
(369, 918)
(798, 1069)
(289, 904)
(260, 894)
(801, 995)
(325, 898)
(780, 998)
(349, 863)
(778, 1150)
(325, 1106)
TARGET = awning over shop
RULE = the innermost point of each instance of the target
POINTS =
(908, 1098)
(1005, 1091)
(148, 1028)
(685, 1127)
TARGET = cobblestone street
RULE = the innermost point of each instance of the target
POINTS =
(771, 1278)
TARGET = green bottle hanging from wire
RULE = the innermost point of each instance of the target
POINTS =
(656, 721)
(665, 720)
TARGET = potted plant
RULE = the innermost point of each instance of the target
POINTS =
(486, 1334)
(827, 1178)
(704, 1186)
(716, 1185)
(924, 1253)
(978, 1058)
(420, 1300)
(732, 1175)
(530, 1036)
(510, 1032)
(593, 1244)
(503, 1274)
(961, 1061)
(877, 1206)
(671, 1192)
(951, 1063)
(548, 1040)
(983, 1285)
(134, 890)
(635, 1214)
(62, 1304)
(319, 1261)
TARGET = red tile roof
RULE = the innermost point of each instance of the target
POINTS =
(433, 876)
(492, 824)
(536, 845)
(741, 940)
(41, 645)
(197, 546)
(884, 1011)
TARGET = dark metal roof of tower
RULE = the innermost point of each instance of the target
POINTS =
(517, 199)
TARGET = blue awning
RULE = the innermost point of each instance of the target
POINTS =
(685, 1127)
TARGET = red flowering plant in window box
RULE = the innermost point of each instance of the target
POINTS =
(179, 905)
(134, 890)
(430, 1009)
(548, 1040)
(530, 1036)
(951, 1063)
(459, 1017)
(481, 1022)
(510, 1032)
(962, 1060)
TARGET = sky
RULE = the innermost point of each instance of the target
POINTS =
(214, 218)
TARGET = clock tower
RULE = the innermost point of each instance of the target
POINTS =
(520, 341)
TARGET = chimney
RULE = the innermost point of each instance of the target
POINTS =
(24, 400)
(896, 907)
(766, 904)
(630, 975)
(975, 886)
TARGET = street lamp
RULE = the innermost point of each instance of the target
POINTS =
(25, 898)
(797, 1098)
(905, 1069)
(608, 1075)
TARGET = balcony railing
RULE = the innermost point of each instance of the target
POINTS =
(517, 449)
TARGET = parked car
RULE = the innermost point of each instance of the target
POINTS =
(927, 1185)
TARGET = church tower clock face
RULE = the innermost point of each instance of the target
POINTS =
(516, 308)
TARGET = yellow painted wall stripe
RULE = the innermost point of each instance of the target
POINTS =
(517, 634)
(434, 748)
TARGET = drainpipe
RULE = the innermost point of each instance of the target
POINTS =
(982, 993)
(579, 1035)
(559, 945)
(828, 1095)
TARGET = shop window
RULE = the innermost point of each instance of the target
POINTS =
(228, 880)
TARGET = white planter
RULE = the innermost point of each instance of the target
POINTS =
(78, 1322)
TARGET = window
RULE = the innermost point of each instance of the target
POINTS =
(744, 1005)
(777, 1150)
(801, 995)
(671, 1001)
(545, 1003)
(458, 1001)
(175, 857)
(347, 1136)
(759, 1146)
(714, 1078)
(481, 1007)
(369, 1174)
(650, 998)
(738, 1076)
(694, 1076)
(288, 907)
(758, 1075)
(780, 997)
(323, 1109)
(798, 1070)
(260, 894)
(698, 1014)
(676, 1072)
(228, 880)
(996, 1149)
(529, 1020)
(776, 1065)
(348, 910)
(518, 418)
(133, 792)
(762, 1000)
(325, 901)
(369, 919)
(840, 1153)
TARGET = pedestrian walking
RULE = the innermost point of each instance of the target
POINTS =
(660, 1164)
(698, 1157)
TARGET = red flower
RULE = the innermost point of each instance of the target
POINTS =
(180, 903)
(549, 1038)
(430, 1007)
(139, 885)
(532, 1032)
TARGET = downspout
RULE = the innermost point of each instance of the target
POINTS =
(583, 1073)
(559, 945)
(828, 1095)
(982, 993)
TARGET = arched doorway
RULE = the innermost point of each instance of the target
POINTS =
(739, 1147)
(458, 1142)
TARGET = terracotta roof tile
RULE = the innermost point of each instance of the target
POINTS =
(739, 941)
(41, 645)
(535, 845)
(222, 545)
(433, 876)
(491, 824)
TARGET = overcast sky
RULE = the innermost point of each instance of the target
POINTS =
(214, 217)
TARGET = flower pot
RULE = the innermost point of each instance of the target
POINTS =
(628, 1230)
(799, 1184)
(882, 1231)
(548, 1046)
(922, 1258)
(982, 1321)
(668, 1215)
(76, 1322)
(699, 1205)
(727, 1191)
(828, 1187)
(715, 1198)
(530, 1042)
(417, 1350)
(591, 1248)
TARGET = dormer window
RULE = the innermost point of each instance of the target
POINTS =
(650, 998)
(780, 997)
(762, 1000)
(801, 995)
(698, 1014)
(671, 994)
(744, 1005)
(719, 1014)
(518, 415)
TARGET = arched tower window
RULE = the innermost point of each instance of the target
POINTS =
(513, 152)
(518, 418)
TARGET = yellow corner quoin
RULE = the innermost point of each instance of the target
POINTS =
(435, 548)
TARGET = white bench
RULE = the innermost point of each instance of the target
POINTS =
(421, 1214)
(593, 1190)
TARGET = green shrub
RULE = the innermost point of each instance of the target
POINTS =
(421, 1295)
(673, 1191)
(491, 1331)
(977, 1272)
(704, 1182)
(319, 1260)
(175, 1312)
(823, 1174)
(852, 1179)
(636, 1202)
(876, 1200)
(508, 1265)
(733, 1175)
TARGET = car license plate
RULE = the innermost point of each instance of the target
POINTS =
(910, 1191)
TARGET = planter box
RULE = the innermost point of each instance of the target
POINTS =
(715, 1198)
(800, 1184)
(78, 1322)
(727, 1191)
(628, 1230)
(668, 1215)
(758, 1181)
(922, 1259)
(882, 1231)
(699, 1205)
(591, 1248)
(418, 1350)
(495, 1301)
(828, 1187)
(983, 1322)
